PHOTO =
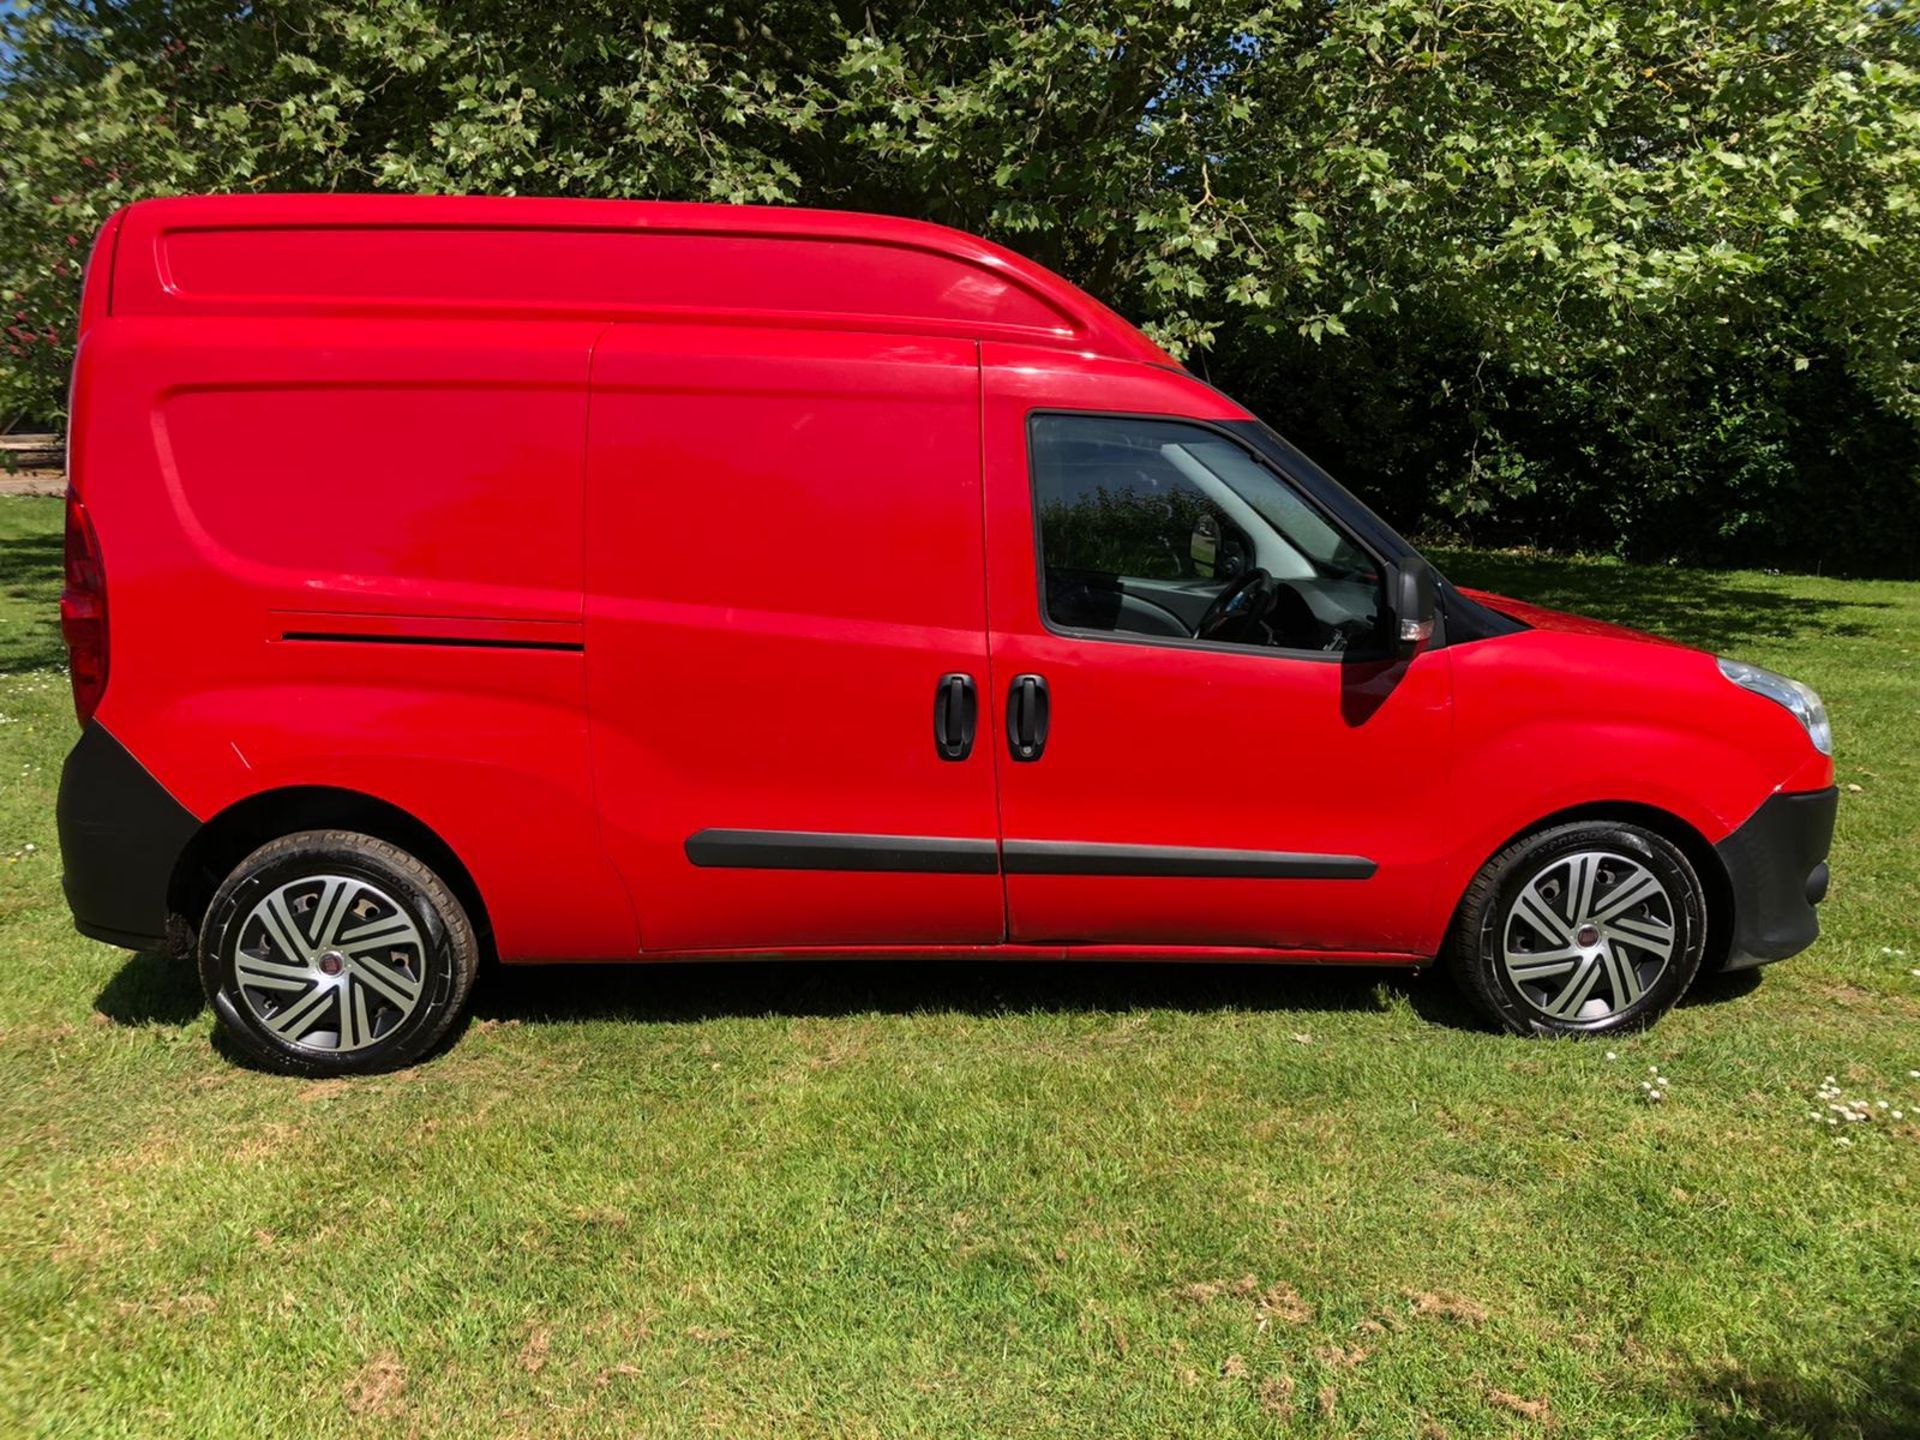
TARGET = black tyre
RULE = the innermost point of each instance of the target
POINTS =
(332, 953)
(1590, 928)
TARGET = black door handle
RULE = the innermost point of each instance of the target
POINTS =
(1027, 712)
(956, 711)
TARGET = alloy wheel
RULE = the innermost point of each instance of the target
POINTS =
(1588, 935)
(330, 963)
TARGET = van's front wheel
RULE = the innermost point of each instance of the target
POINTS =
(332, 953)
(1582, 929)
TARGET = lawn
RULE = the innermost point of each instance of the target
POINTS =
(958, 1200)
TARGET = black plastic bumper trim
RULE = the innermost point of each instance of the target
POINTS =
(1776, 865)
(823, 850)
(121, 834)
(1073, 857)
(126, 940)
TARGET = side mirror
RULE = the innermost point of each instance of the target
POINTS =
(1414, 595)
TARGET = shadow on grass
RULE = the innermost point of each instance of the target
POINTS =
(1875, 1397)
(814, 989)
(676, 992)
(153, 988)
(1719, 989)
(1704, 608)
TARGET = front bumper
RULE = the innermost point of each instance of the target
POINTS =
(1777, 865)
(121, 834)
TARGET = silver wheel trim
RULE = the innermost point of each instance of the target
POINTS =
(330, 963)
(1588, 935)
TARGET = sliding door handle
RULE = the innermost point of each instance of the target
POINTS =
(956, 713)
(1027, 714)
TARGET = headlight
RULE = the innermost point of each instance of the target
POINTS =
(1802, 700)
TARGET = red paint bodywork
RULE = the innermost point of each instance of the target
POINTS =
(738, 486)
(1541, 618)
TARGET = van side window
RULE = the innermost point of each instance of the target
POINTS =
(1153, 527)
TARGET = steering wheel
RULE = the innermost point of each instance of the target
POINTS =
(1240, 605)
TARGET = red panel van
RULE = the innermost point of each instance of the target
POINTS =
(582, 580)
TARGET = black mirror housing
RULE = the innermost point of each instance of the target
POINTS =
(1414, 597)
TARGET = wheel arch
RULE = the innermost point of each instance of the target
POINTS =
(1700, 853)
(227, 838)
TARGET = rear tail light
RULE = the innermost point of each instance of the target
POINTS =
(83, 610)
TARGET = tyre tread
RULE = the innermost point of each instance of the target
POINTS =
(461, 945)
(1473, 970)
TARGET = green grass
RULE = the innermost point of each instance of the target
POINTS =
(958, 1200)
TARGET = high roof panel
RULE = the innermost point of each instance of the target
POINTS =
(495, 257)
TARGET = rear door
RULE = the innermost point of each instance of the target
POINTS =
(785, 596)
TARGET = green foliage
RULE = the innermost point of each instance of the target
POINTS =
(1642, 277)
(1124, 532)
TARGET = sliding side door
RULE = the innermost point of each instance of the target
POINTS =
(786, 638)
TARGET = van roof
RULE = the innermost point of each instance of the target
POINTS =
(395, 256)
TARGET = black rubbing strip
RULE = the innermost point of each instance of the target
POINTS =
(934, 854)
(1072, 857)
(817, 850)
(463, 642)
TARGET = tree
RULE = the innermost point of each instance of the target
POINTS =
(1639, 276)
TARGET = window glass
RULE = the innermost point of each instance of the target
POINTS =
(1152, 527)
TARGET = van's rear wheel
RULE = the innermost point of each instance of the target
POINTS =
(332, 953)
(1583, 929)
